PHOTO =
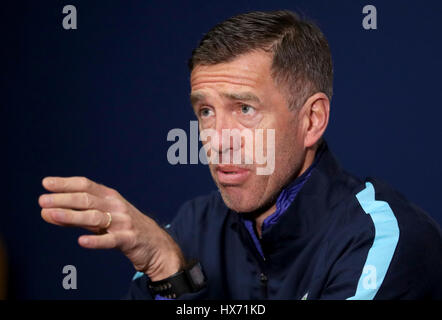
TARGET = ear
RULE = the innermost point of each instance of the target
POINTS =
(316, 115)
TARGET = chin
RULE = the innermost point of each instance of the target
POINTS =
(240, 200)
(248, 196)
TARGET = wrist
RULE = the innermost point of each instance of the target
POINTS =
(170, 267)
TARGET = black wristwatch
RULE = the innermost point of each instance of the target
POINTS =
(190, 279)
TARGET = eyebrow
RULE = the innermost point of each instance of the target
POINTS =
(196, 97)
(245, 96)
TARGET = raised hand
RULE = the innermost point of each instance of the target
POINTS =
(80, 202)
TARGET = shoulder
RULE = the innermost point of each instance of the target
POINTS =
(405, 243)
(376, 211)
(384, 246)
(413, 222)
(374, 204)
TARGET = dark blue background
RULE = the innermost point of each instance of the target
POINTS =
(99, 101)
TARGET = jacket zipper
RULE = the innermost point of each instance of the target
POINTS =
(263, 278)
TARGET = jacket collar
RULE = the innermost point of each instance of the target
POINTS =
(289, 193)
(324, 189)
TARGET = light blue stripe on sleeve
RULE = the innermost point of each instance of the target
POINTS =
(383, 247)
(137, 275)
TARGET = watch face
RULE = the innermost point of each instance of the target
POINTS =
(197, 275)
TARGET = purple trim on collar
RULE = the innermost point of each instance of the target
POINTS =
(285, 199)
(289, 193)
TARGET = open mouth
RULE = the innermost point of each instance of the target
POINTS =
(232, 175)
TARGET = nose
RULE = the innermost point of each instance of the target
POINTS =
(227, 134)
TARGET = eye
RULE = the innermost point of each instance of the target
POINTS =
(246, 109)
(206, 112)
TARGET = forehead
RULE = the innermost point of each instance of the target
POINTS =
(250, 70)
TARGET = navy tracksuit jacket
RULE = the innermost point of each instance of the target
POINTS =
(341, 238)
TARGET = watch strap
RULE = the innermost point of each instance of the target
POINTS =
(190, 279)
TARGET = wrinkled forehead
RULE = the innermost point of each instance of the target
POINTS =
(251, 70)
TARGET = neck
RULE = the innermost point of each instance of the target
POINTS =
(308, 161)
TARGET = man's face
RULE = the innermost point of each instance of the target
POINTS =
(242, 95)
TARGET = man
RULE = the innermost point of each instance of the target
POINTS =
(308, 230)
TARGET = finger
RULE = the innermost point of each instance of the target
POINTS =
(80, 200)
(91, 219)
(105, 241)
(76, 184)
(47, 216)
